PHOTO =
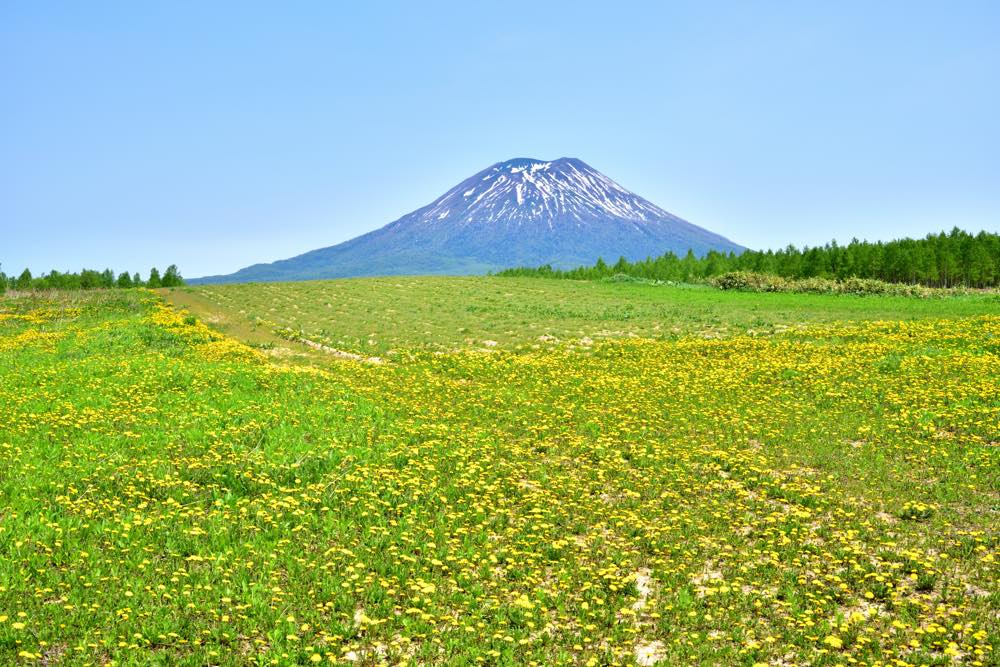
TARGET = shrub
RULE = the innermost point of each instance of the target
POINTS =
(748, 281)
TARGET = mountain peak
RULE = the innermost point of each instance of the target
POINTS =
(519, 212)
(520, 164)
(527, 162)
(527, 190)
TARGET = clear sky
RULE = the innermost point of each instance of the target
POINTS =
(216, 135)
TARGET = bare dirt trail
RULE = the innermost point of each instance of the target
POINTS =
(261, 337)
(239, 328)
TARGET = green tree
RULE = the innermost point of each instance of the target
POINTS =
(90, 279)
(713, 264)
(172, 277)
(981, 266)
(154, 279)
(23, 280)
(124, 280)
(942, 260)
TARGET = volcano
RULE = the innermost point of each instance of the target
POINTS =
(522, 212)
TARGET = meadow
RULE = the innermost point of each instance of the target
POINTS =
(539, 473)
(378, 316)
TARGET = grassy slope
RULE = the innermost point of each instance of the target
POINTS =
(170, 496)
(375, 315)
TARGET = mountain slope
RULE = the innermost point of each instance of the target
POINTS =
(521, 212)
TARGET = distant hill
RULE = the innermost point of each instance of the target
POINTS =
(521, 212)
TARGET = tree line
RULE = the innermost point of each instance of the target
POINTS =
(88, 279)
(948, 259)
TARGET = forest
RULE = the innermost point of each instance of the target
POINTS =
(947, 259)
(88, 279)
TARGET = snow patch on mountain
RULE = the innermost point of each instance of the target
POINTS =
(522, 191)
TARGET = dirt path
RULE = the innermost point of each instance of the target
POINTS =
(239, 328)
(262, 337)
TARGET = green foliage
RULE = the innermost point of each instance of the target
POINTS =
(749, 281)
(952, 259)
(154, 279)
(90, 279)
(172, 277)
(24, 280)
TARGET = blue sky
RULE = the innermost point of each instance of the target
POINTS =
(217, 135)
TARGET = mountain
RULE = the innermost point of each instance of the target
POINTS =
(521, 212)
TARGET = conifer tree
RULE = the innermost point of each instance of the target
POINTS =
(947, 259)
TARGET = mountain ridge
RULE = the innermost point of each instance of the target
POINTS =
(519, 212)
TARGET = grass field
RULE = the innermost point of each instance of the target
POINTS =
(822, 490)
(379, 315)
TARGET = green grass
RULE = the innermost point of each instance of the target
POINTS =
(374, 316)
(828, 495)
